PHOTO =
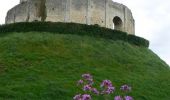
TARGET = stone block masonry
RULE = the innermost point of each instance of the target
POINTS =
(105, 13)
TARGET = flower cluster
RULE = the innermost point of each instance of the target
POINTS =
(106, 83)
(86, 79)
(95, 91)
(106, 88)
(118, 98)
(87, 76)
(87, 83)
(121, 98)
(82, 97)
(87, 88)
(128, 98)
(125, 88)
(80, 82)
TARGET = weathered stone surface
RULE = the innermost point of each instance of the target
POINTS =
(105, 13)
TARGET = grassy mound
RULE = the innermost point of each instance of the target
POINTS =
(46, 66)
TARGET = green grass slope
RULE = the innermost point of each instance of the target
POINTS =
(46, 66)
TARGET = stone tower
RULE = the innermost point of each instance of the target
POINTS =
(105, 13)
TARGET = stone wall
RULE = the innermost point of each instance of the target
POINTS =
(105, 13)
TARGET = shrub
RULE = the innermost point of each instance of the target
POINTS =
(138, 41)
(74, 28)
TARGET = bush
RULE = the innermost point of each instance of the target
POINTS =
(138, 41)
(74, 28)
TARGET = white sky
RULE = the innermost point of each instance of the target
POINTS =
(152, 22)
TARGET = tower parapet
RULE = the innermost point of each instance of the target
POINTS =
(105, 13)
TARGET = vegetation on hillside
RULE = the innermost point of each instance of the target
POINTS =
(73, 28)
(45, 66)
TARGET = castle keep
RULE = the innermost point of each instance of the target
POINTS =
(105, 13)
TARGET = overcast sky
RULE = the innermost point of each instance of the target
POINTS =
(152, 22)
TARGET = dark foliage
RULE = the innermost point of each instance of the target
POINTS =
(74, 28)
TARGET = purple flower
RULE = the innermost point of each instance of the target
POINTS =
(82, 97)
(86, 97)
(118, 98)
(110, 90)
(128, 98)
(80, 82)
(106, 83)
(90, 81)
(87, 88)
(86, 76)
(125, 88)
(77, 97)
(95, 91)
